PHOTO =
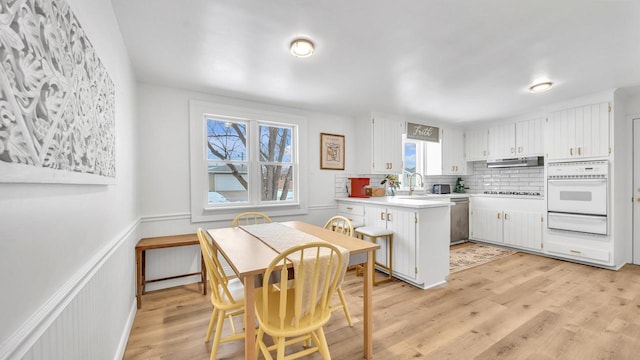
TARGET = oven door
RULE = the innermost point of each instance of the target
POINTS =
(578, 196)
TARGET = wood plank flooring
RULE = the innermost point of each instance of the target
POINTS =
(520, 307)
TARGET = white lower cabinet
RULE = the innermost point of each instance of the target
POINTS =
(514, 222)
(403, 225)
(421, 238)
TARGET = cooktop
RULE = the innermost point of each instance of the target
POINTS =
(526, 193)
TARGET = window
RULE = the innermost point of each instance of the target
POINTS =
(413, 160)
(251, 160)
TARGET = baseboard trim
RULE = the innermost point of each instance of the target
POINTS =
(19, 343)
(122, 345)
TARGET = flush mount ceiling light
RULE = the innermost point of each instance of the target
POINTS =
(541, 87)
(301, 48)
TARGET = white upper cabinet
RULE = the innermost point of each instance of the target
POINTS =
(516, 139)
(453, 161)
(580, 132)
(475, 144)
(529, 138)
(502, 141)
(447, 156)
(386, 143)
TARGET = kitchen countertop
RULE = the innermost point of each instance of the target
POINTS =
(415, 201)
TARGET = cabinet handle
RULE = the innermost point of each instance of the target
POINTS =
(349, 208)
(381, 216)
(575, 251)
(513, 150)
(484, 152)
(498, 215)
(520, 149)
(506, 216)
(388, 217)
(579, 151)
(571, 151)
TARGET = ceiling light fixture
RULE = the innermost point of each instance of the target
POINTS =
(301, 48)
(541, 87)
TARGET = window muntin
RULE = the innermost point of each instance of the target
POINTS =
(235, 173)
(413, 160)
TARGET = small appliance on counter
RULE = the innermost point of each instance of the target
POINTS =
(441, 189)
(459, 186)
(357, 187)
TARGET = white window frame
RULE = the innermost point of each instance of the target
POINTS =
(201, 210)
(420, 162)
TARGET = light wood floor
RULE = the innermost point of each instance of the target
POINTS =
(519, 307)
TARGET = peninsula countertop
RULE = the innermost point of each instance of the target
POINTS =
(406, 201)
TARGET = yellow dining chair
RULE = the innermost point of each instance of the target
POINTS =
(249, 218)
(299, 312)
(342, 225)
(227, 296)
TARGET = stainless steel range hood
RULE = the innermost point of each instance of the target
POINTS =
(516, 162)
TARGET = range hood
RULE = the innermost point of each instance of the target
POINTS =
(516, 162)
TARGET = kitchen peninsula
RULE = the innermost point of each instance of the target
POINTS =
(421, 233)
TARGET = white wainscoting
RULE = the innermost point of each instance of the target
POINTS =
(88, 318)
(163, 263)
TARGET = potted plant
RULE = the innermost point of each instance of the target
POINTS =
(391, 182)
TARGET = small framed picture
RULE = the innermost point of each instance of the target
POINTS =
(331, 151)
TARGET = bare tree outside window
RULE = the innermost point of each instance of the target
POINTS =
(229, 161)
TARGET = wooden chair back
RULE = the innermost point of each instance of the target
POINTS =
(218, 279)
(304, 303)
(340, 224)
(250, 218)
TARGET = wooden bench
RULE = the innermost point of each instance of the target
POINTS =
(160, 243)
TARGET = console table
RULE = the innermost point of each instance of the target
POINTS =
(160, 243)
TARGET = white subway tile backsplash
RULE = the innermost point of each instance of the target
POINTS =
(483, 179)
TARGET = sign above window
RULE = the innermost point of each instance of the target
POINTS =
(423, 132)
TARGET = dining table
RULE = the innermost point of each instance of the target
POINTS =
(249, 257)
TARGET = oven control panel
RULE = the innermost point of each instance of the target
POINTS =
(578, 170)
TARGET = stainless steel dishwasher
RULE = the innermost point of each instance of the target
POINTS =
(459, 220)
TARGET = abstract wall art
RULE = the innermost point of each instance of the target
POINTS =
(56, 99)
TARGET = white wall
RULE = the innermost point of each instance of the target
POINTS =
(164, 171)
(53, 238)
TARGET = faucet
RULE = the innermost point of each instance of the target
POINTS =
(417, 183)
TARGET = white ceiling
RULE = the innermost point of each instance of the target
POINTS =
(453, 60)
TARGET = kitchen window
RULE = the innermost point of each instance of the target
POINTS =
(413, 160)
(244, 158)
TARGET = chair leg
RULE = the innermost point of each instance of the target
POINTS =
(280, 353)
(259, 336)
(217, 335)
(323, 348)
(344, 306)
(214, 313)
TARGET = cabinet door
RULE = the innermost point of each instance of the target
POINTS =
(386, 145)
(580, 132)
(594, 133)
(523, 229)
(377, 216)
(452, 144)
(476, 144)
(485, 224)
(529, 138)
(502, 141)
(403, 225)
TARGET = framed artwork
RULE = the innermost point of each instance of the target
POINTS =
(331, 151)
(57, 101)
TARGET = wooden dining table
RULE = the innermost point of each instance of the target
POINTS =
(249, 258)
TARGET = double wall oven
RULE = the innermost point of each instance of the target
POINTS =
(577, 196)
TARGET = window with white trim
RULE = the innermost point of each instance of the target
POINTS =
(243, 158)
(413, 160)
